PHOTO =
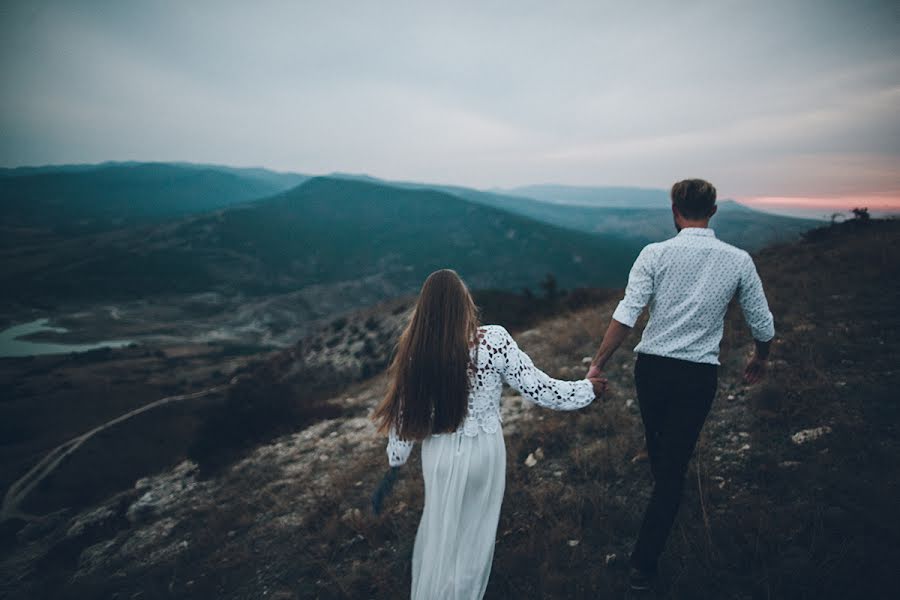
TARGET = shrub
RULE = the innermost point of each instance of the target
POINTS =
(255, 410)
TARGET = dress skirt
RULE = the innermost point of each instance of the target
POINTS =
(465, 477)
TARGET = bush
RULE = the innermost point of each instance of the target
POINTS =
(255, 410)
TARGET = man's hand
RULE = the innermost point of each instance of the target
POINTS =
(593, 372)
(599, 384)
(755, 370)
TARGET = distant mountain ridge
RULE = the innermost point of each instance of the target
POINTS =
(91, 233)
(78, 199)
(325, 232)
(637, 215)
(595, 196)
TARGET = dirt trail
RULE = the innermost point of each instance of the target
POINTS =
(23, 486)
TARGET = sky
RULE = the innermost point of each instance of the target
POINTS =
(779, 104)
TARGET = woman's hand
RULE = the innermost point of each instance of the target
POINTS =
(599, 384)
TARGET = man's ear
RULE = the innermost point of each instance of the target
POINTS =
(714, 209)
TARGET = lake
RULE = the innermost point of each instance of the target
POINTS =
(11, 346)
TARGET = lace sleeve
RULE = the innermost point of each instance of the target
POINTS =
(519, 371)
(397, 450)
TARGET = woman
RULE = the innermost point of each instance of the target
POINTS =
(445, 385)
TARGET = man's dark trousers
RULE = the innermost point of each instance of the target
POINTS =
(674, 397)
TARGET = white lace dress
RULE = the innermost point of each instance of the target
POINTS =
(465, 471)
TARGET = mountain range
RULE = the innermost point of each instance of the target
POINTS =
(119, 231)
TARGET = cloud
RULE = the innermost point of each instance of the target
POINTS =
(766, 98)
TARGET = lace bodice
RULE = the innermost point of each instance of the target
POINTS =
(499, 360)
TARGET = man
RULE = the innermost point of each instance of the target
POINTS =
(687, 281)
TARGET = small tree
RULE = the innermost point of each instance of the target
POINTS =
(861, 214)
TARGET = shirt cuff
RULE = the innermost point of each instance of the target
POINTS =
(625, 315)
(766, 333)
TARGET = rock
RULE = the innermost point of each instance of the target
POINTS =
(789, 464)
(162, 492)
(587, 360)
(573, 543)
(629, 403)
(352, 516)
(91, 519)
(150, 545)
(94, 557)
(744, 448)
(808, 435)
(731, 396)
(534, 457)
(610, 559)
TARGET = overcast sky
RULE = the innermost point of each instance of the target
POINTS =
(765, 99)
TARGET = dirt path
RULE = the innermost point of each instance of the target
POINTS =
(23, 486)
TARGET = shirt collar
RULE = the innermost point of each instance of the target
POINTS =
(704, 231)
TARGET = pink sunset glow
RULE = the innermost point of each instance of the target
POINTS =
(881, 204)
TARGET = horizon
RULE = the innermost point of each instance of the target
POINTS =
(822, 209)
(796, 102)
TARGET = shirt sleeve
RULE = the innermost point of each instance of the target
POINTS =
(753, 303)
(397, 450)
(518, 370)
(638, 291)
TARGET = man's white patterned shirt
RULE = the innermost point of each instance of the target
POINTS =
(688, 281)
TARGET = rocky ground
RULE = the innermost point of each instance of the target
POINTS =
(790, 494)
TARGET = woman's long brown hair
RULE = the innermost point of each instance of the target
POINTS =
(429, 375)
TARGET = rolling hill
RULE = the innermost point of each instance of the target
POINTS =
(635, 218)
(82, 199)
(326, 232)
(635, 215)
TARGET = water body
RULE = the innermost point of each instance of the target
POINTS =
(10, 345)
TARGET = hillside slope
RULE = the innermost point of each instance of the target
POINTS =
(645, 223)
(327, 232)
(84, 199)
(763, 516)
(636, 215)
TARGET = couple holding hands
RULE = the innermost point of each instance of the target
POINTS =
(448, 372)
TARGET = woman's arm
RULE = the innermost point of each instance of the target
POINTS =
(519, 371)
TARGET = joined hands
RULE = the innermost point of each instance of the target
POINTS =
(597, 380)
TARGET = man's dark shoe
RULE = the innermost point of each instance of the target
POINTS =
(640, 581)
